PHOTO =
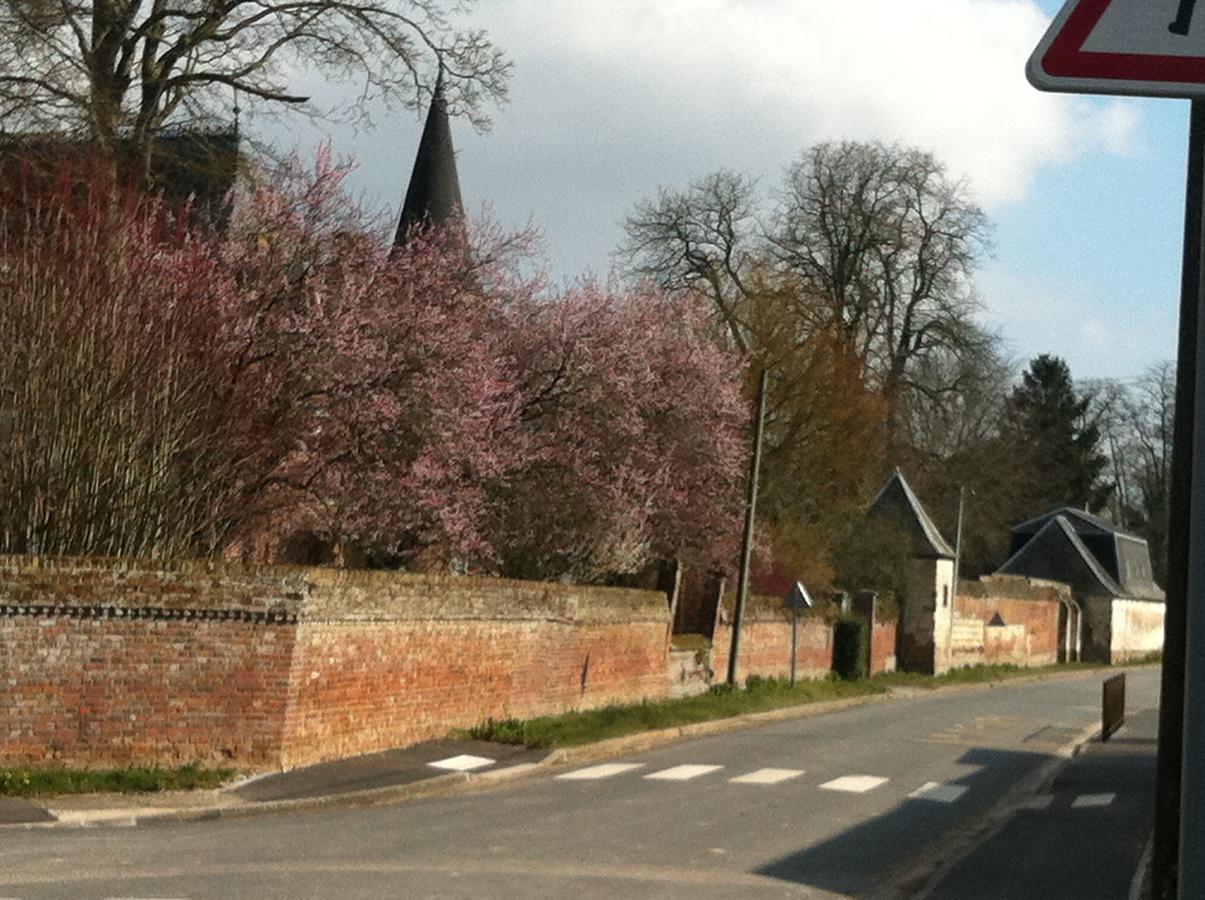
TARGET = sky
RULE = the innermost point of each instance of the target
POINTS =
(612, 99)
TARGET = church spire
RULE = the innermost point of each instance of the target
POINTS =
(434, 193)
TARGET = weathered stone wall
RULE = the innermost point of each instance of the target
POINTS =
(108, 662)
(766, 642)
(1006, 619)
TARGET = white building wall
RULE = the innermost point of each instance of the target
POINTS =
(1137, 629)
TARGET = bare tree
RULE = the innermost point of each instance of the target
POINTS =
(886, 246)
(702, 240)
(127, 68)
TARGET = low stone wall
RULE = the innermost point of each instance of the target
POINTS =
(1006, 619)
(766, 642)
(108, 662)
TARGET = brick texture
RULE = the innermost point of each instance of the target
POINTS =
(1029, 611)
(105, 662)
(766, 642)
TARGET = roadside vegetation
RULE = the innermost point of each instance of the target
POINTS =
(722, 702)
(59, 781)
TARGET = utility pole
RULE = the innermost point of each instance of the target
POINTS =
(742, 587)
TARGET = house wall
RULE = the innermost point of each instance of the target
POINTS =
(1097, 629)
(925, 616)
(1136, 629)
(111, 663)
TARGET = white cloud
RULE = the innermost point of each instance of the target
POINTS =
(613, 98)
(754, 81)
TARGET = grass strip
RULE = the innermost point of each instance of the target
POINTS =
(58, 781)
(758, 695)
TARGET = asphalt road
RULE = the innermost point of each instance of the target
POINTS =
(848, 803)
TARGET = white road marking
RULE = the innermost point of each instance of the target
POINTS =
(462, 763)
(767, 776)
(682, 773)
(1038, 803)
(606, 770)
(1084, 801)
(854, 784)
(939, 793)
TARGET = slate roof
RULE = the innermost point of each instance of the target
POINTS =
(187, 165)
(1094, 556)
(897, 501)
(433, 196)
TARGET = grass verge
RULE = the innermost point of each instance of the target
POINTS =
(721, 702)
(58, 781)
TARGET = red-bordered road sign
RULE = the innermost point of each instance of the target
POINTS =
(1152, 48)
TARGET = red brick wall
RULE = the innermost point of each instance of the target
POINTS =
(1029, 610)
(882, 647)
(766, 643)
(105, 662)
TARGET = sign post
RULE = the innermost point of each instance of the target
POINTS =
(1156, 48)
(797, 599)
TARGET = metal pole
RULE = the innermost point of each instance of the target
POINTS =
(1171, 708)
(794, 641)
(742, 588)
(1192, 784)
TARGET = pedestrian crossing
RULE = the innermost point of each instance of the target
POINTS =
(946, 793)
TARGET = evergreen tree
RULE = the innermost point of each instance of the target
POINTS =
(1048, 427)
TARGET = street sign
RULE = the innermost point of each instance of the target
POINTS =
(798, 598)
(1153, 48)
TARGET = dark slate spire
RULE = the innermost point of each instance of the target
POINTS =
(434, 193)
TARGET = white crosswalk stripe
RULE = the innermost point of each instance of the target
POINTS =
(939, 793)
(1085, 801)
(767, 776)
(682, 773)
(854, 784)
(592, 773)
(462, 763)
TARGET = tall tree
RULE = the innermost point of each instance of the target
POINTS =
(703, 241)
(1047, 424)
(887, 244)
(130, 67)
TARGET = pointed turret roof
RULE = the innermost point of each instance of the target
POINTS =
(896, 500)
(434, 193)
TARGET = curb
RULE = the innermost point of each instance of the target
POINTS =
(464, 782)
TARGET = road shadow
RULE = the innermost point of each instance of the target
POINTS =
(860, 859)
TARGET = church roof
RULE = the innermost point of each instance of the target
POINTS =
(433, 196)
(194, 166)
(896, 500)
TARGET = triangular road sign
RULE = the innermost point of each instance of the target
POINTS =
(1153, 48)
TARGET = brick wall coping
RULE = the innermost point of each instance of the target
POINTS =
(212, 589)
(1014, 587)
